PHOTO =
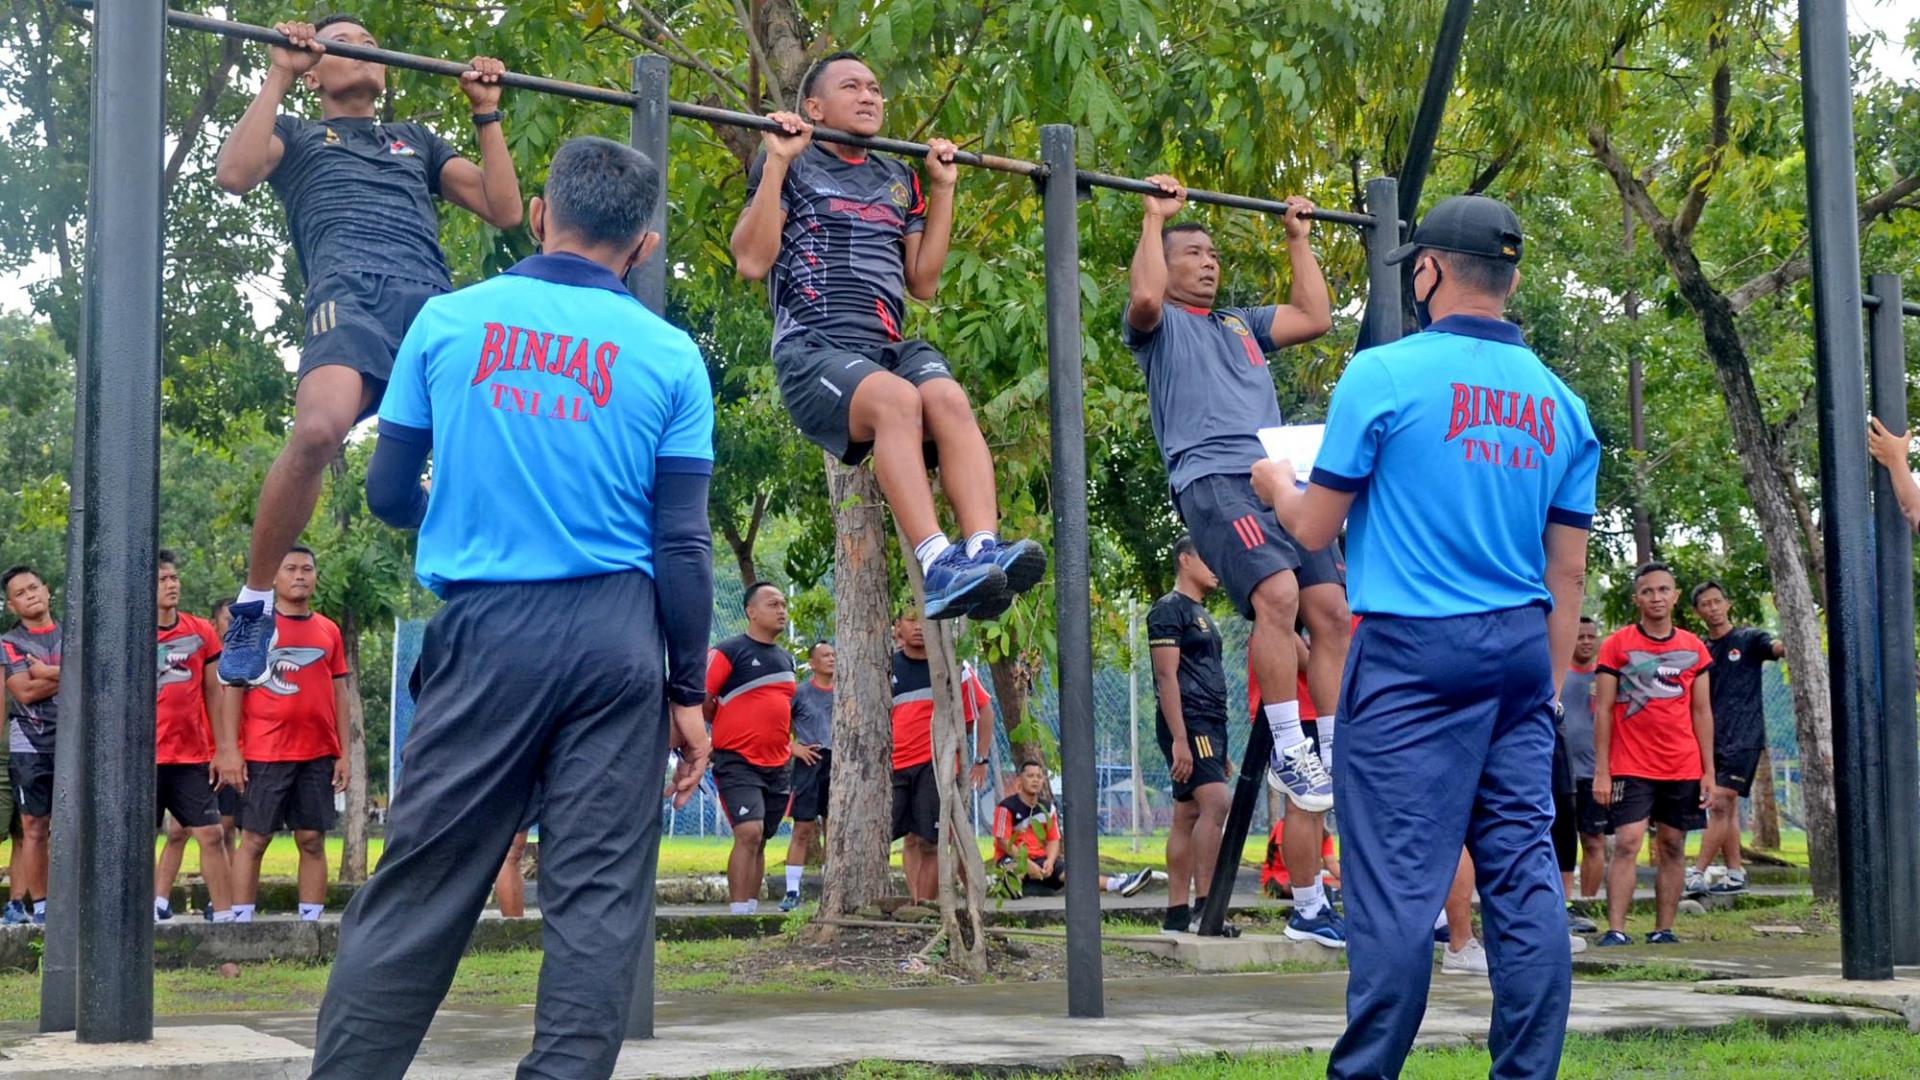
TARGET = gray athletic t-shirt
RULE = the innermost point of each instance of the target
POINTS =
(1576, 724)
(1208, 388)
(842, 267)
(30, 728)
(359, 196)
(813, 715)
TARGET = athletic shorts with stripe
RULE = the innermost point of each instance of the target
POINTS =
(1208, 742)
(750, 792)
(357, 320)
(818, 377)
(1243, 542)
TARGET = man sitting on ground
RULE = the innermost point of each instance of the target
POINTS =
(842, 236)
(1023, 822)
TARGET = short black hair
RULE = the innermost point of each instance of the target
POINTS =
(601, 191)
(819, 68)
(1693, 598)
(1033, 763)
(1588, 619)
(1478, 273)
(219, 605)
(166, 557)
(746, 598)
(6, 579)
(1184, 546)
(336, 19)
(1167, 234)
(819, 642)
(1654, 567)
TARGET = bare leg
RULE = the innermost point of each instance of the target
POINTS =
(1180, 837)
(1460, 905)
(1324, 609)
(1722, 836)
(246, 866)
(966, 467)
(1300, 845)
(509, 888)
(800, 846)
(1670, 845)
(30, 857)
(886, 412)
(312, 887)
(923, 879)
(214, 867)
(1593, 864)
(1622, 871)
(748, 843)
(1214, 802)
(324, 409)
(1276, 601)
(167, 870)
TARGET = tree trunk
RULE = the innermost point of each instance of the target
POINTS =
(861, 806)
(1012, 684)
(1766, 812)
(963, 878)
(1637, 415)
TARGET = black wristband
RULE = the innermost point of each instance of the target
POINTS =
(485, 118)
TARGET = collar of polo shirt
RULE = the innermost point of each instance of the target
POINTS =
(566, 268)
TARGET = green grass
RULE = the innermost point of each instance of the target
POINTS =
(1745, 1050)
(1654, 971)
(1736, 924)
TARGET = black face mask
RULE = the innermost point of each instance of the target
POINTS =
(1421, 316)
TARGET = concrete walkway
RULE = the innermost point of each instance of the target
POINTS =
(1023, 1024)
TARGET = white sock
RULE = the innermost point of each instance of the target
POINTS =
(977, 541)
(753, 906)
(1308, 899)
(243, 913)
(248, 596)
(162, 904)
(930, 549)
(1284, 719)
(794, 873)
(1323, 728)
(1440, 920)
(310, 912)
(40, 908)
(1112, 884)
(223, 916)
(740, 907)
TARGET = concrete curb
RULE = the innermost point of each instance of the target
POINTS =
(207, 1052)
(1900, 996)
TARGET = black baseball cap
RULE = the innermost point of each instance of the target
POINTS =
(1468, 224)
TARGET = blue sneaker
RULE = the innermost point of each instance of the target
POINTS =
(1298, 773)
(39, 916)
(956, 585)
(15, 914)
(243, 653)
(1325, 928)
(161, 914)
(1023, 561)
(1612, 938)
(1662, 937)
(790, 901)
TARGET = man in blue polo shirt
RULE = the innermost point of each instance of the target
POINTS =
(572, 438)
(1466, 471)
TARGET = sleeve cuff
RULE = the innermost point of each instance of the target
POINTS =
(1328, 479)
(686, 466)
(398, 432)
(1573, 519)
(1615, 672)
(686, 697)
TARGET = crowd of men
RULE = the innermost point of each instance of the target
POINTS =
(571, 437)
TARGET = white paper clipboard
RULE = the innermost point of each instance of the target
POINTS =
(1298, 443)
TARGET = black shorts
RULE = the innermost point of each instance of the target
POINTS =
(295, 795)
(1566, 838)
(32, 776)
(1052, 883)
(185, 792)
(916, 803)
(1734, 767)
(356, 320)
(228, 800)
(817, 379)
(1241, 540)
(750, 792)
(812, 787)
(1208, 742)
(1589, 817)
(1673, 803)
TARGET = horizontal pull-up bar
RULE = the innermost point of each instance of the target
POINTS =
(727, 117)
(1907, 307)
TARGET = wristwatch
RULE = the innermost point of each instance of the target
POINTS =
(485, 118)
(982, 761)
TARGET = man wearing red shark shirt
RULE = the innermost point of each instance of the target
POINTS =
(292, 726)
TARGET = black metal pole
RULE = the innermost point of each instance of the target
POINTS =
(60, 951)
(648, 282)
(1072, 596)
(1866, 945)
(1382, 322)
(1433, 106)
(1233, 841)
(1907, 307)
(1220, 198)
(120, 429)
(1893, 558)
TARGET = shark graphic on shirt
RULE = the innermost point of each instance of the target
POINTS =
(174, 657)
(285, 661)
(1650, 676)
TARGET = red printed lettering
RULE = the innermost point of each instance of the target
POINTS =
(491, 356)
(603, 358)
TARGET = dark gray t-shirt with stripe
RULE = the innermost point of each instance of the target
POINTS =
(359, 196)
(813, 715)
(1208, 388)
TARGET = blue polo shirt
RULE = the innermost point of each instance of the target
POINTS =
(553, 400)
(1460, 448)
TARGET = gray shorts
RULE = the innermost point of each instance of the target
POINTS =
(1243, 543)
(818, 377)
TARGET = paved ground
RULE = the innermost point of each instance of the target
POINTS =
(996, 1026)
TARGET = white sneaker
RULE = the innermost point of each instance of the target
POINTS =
(1696, 883)
(1471, 960)
(1577, 943)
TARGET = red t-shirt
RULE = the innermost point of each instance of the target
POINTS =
(1032, 827)
(912, 682)
(290, 717)
(1653, 712)
(752, 683)
(1302, 696)
(182, 731)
